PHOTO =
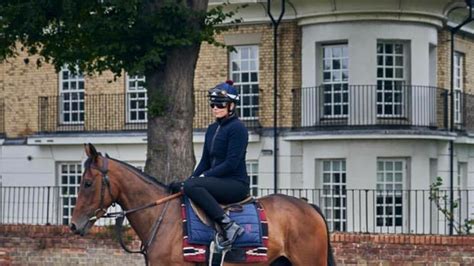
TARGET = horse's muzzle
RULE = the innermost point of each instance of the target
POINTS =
(78, 230)
(73, 228)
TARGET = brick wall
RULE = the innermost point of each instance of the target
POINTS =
(465, 45)
(45, 245)
(369, 249)
(212, 68)
(21, 83)
(53, 245)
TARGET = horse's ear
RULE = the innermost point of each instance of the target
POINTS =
(90, 150)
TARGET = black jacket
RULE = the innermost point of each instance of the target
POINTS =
(225, 146)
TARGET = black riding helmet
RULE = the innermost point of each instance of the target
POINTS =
(224, 93)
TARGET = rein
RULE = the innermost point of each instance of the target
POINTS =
(120, 216)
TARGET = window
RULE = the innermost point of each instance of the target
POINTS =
(71, 88)
(390, 183)
(69, 182)
(252, 171)
(458, 86)
(334, 195)
(136, 99)
(244, 72)
(391, 60)
(335, 81)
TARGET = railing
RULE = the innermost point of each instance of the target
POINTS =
(46, 205)
(90, 113)
(203, 114)
(354, 106)
(351, 210)
(2, 116)
(466, 118)
(387, 211)
(79, 112)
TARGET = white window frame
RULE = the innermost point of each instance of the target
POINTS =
(252, 172)
(69, 180)
(71, 94)
(392, 75)
(334, 194)
(137, 99)
(244, 71)
(391, 182)
(458, 86)
(335, 77)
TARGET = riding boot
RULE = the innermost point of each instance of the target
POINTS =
(230, 229)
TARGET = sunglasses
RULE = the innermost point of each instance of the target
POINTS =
(218, 105)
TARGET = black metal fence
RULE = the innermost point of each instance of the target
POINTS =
(351, 210)
(79, 112)
(203, 115)
(389, 211)
(45, 205)
(343, 105)
(466, 121)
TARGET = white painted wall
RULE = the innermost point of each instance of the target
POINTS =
(362, 41)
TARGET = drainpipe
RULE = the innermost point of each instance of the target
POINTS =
(275, 24)
(470, 18)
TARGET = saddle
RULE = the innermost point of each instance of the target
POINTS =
(234, 207)
(199, 243)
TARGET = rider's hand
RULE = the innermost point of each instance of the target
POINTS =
(175, 186)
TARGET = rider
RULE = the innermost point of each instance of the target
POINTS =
(221, 175)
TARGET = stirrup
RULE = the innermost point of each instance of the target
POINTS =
(224, 242)
(217, 254)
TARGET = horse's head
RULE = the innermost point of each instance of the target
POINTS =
(95, 192)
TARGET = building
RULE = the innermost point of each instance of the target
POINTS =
(363, 110)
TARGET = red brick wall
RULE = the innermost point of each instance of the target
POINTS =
(384, 250)
(56, 245)
(46, 245)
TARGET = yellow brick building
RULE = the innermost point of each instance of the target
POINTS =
(364, 107)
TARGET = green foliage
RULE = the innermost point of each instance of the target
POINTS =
(157, 104)
(116, 35)
(441, 200)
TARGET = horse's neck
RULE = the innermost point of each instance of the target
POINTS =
(134, 193)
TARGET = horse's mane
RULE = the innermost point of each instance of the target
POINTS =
(149, 178)
(140, 173)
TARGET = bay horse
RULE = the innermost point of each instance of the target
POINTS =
(298, 233)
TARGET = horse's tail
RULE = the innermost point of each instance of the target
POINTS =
(331, 260)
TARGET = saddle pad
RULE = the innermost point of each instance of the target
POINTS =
(251, 247)
(200, 233)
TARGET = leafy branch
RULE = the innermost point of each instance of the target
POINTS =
(441, 200)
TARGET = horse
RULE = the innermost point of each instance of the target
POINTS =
(298, 233)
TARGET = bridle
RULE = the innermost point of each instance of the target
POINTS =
(120, 216)
(105, 184)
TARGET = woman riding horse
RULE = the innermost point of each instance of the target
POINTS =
(221, 175)
(155, 216)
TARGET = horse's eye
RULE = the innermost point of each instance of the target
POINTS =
(87, 183)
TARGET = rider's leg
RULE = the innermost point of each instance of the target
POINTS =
(208, 191)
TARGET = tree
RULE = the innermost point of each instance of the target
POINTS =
(158, 38)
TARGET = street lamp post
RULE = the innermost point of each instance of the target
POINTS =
(275, 23)
(454, 30)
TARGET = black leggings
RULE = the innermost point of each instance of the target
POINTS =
(208, 192)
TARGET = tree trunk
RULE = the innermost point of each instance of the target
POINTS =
(170, 153)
